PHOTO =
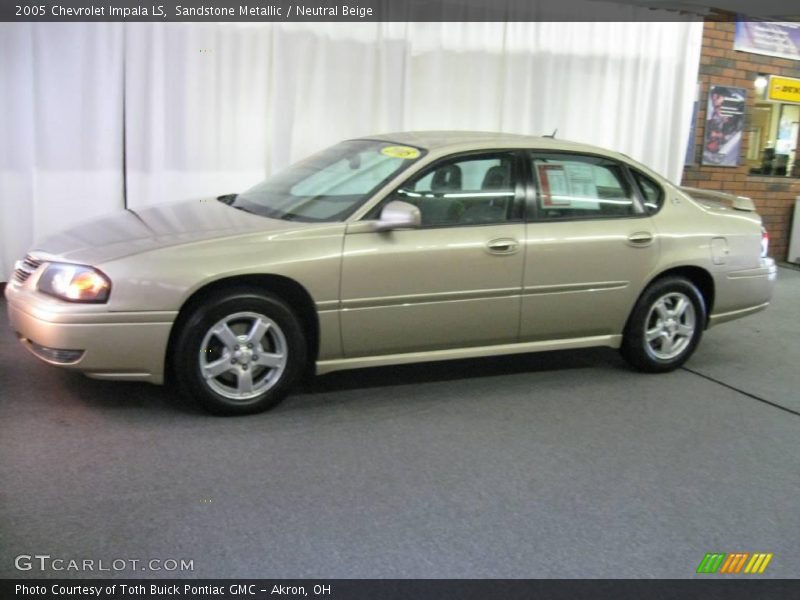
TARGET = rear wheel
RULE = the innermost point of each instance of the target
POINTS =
(665, 326)
(239, 353)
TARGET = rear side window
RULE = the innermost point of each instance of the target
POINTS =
(581, 187)
(652, 194)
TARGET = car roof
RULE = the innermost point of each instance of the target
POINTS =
(475, 140)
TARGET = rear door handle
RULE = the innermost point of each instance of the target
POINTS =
(503, 246)
(640, 238)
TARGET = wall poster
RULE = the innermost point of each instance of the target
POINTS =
(724, 126)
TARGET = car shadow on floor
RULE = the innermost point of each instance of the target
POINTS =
(450, 370)
(126, 395)
(143, 396)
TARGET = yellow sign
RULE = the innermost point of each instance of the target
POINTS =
(784, 89)
(406, 152)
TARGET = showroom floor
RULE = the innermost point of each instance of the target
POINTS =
(555, 465)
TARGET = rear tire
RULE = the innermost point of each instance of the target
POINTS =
(239, 353)
(665, 326)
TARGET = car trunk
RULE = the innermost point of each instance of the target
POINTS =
(714, 200)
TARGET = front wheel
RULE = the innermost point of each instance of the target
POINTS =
(239, 353)
(665, 326)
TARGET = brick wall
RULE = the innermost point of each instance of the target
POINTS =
(720, 64)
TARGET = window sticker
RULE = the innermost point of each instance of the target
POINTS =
(404, 152)
(581, 181)
(555, 191)
(568, 185)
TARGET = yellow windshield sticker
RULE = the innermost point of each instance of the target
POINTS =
(406, 152)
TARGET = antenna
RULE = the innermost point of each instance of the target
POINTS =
(552, 135)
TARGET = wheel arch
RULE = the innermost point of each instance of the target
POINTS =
(289, 290)
(699, 276)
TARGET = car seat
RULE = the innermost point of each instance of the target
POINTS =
(441, 210)
(488, 209)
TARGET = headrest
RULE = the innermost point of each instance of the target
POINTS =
(496, 178)
(446, 179)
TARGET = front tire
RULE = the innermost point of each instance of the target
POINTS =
(239, 353)
(665, 326)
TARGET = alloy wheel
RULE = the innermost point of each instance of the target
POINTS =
(243, 355)
(670, 326)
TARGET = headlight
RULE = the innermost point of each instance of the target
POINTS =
(75, 283)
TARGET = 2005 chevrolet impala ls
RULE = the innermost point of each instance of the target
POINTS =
(394, 249)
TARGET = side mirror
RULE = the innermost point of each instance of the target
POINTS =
(398, 215)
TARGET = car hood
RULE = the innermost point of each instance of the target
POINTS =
(134, 231)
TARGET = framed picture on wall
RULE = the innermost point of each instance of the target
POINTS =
(724, 126)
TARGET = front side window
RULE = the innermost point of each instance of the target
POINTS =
(580, 187)
(330, 185)
(470, 190)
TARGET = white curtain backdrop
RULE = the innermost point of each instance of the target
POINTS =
(60, 129)
(213, 108)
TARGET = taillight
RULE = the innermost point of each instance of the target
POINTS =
(764, 242)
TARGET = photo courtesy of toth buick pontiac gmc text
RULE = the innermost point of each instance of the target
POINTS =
(393, 249)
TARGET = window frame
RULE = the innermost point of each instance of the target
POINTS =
(532, 204)
(519, 172)
(633, 172)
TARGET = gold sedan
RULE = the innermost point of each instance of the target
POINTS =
(394, 249)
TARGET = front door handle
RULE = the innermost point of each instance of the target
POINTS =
(640, 238)
(503, 246)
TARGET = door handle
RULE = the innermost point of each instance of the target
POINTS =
(503, 246)
(640, 238)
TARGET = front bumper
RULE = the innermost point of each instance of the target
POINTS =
(103, 345)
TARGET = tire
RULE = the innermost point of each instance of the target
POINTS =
(665, 326)
(239, 353)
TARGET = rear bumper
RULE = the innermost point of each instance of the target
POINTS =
(718, 318)
(104, 345)
(745, 292)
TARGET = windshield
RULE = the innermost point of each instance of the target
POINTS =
(330, 185)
